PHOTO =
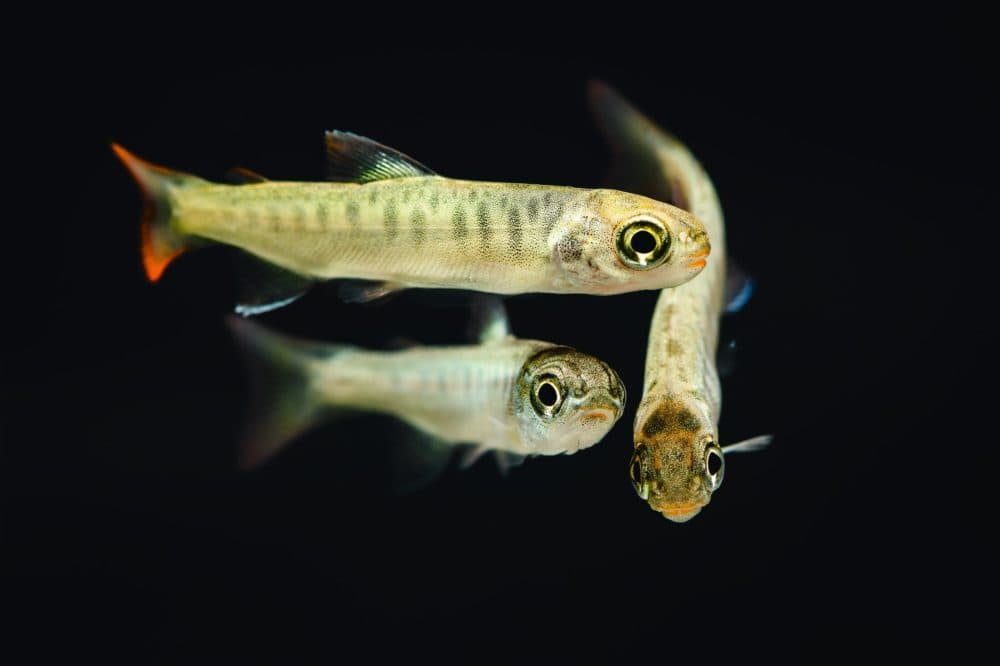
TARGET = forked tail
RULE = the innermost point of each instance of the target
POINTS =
(161, 241)
(284, 400)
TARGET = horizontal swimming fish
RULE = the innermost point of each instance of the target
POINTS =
(390, 220)
(509, 396)
(678, 462)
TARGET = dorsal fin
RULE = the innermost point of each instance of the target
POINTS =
(355, 159)
(489, 323)
(244, 176)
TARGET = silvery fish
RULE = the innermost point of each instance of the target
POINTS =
(678, 462)
(509, 396)
(389, 220)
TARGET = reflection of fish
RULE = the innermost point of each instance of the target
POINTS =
(394, 221)
(678, 462)
(513, 397)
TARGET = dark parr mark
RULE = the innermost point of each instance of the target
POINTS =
(353, 213)
(418, 224)
(458, 221)
(674, 348)
(435, 201)
(532, 211)
(274, 219)
(322, 212)
(668, 418)
(390, 219)
(514, 231)
(483, 216)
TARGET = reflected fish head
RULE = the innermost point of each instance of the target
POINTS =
(565, 400)
(618, 242)
(677, 463)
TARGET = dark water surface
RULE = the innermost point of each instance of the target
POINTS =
(851, 167)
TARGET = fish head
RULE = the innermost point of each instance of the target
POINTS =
(617, 242)
(677, 463)
(565, 400)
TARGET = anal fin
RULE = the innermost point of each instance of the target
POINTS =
(416, 461)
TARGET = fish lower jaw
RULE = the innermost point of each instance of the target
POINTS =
(679, 512)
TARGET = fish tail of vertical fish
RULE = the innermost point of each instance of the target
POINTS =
(162, 241)
(284, 397)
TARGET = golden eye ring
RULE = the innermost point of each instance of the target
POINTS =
(642, 243)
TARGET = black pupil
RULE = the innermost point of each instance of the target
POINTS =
(643, 242)
(547, 394)
(714, 463)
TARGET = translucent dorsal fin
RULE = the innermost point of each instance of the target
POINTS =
(356, 159)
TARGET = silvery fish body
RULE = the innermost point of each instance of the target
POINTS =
(678, 462)
(392, 221)
(519, 397)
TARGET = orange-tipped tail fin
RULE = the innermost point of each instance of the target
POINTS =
(161, 242)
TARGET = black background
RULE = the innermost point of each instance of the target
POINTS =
(851, 157)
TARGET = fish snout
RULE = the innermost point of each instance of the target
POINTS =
(697, 247)
(678, 512)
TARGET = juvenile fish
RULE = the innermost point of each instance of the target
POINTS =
(678, 462)
(391, 220)
(505, 395)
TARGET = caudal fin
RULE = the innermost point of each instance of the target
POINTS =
(161, 242)
(284, 401)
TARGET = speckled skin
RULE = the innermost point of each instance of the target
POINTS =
(409, 230)
(430, 231)
(682, 398)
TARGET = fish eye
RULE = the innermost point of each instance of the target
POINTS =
(715, 466)
(635, 473)
(547, 395)
(642, 243)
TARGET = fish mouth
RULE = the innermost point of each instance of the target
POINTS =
(697, 264)
(598, 415)
(698, 259)
(679, 512)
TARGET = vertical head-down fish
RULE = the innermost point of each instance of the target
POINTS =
(391, 220)
(509, 396)
(678, 462)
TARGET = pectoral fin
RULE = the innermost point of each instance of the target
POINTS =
(748, 445)
(265, 287)
(364, 291)
(489, 320)
(739, 287)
